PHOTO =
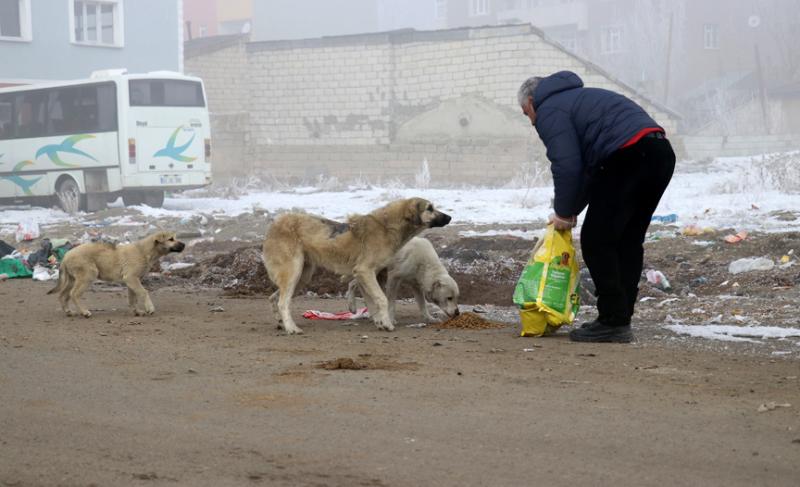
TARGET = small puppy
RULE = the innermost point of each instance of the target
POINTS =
(417, 265)
(115, 263)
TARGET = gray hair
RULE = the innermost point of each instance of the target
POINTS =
(527, 89)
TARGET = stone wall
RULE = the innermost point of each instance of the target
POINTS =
(375, 106)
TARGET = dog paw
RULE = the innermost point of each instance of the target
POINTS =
(384, 325)
(87, 314)
(294, 331)
(138, 312)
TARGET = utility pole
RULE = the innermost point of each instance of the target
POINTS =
(669, 59)
(762, 90)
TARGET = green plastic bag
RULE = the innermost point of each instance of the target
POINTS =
(547, 292)
(14, 268)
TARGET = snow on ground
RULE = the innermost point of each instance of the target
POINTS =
(726, 192)
(733, 333)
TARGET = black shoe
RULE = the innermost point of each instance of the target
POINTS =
(598, 332)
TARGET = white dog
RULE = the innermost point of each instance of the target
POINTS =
(417, 265)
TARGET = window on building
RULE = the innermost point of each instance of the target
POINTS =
(570, 43)
(611, 39)
(710, 36)
(15, 21)
(478, 7)
(203, 31)
(440, 9)
(97, 22)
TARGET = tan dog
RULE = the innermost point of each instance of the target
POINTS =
(417, 266)
(296, 243)
(115, 263)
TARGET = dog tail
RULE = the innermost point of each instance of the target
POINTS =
(62, 280)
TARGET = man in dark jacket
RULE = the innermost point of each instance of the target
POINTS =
(607, 152)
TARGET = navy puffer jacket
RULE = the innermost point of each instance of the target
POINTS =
(580, 127)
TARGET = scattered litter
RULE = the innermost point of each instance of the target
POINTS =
(694, 230)
(658, 279)
(478, 309)
(42, 273)
(736, 238)
(772, 405)
(176, 266)
(750, 264)
(785, 259)
(496, 350)
(417, 325)
(666, 301)
(646, 298)
(27, 230)
(671, 218)
(5, 249)
(699, 281)
(781, 352)
(528, 349)
(217, 309)
(313, 314)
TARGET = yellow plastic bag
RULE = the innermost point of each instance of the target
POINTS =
(548, 291)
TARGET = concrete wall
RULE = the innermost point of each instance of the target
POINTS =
(152, 42)
(700, 147)
(375, 106)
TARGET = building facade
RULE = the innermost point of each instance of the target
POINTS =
(68, 39)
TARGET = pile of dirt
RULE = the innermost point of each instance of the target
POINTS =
(470, 321)
(365, 361)
(241, 272)
(342, 363)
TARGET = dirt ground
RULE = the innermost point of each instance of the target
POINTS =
(192, 396)
(208, 392)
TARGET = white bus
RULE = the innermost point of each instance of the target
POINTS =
(83, 143)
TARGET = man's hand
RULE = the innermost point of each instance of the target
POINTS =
(563, 223)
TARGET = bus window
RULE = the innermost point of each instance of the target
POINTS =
(29, 108)
(165, 93)
(81, 109)
(6, 117)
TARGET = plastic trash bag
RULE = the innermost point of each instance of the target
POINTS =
(27, 230)
(548, 291)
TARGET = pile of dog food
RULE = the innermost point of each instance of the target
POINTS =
(470, 321)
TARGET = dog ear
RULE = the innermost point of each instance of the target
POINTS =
(414, 210)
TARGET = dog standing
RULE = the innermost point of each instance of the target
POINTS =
(296, 243)
(115, 263)
(418, 266)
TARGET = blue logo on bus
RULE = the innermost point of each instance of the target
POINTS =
(68, 146)
(174, 152)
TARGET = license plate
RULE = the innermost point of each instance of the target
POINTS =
(171, 179)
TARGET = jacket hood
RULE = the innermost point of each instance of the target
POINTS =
(555, 83)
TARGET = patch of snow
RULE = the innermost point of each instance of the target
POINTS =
(732, 333)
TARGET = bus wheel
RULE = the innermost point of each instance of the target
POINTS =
(132, 198)
(154, 199)
(68, 195)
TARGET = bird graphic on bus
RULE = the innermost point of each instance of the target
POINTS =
(67, 146)
(174, 152)
(25, 184)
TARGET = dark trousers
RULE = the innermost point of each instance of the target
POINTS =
(623, 195)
